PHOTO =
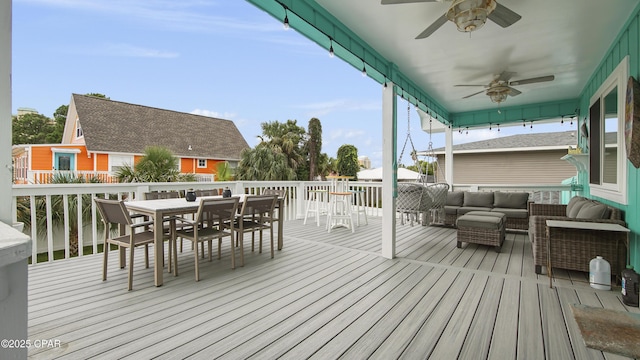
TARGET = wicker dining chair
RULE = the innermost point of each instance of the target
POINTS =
(214, 220)
(115, 212)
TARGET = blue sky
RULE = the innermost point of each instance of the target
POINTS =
(223, 58)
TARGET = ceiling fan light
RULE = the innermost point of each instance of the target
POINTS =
(498, 94)
(470, 15)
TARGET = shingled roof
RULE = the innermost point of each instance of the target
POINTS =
(114, 126)
(554, 140)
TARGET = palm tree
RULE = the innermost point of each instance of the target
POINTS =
(264, 163)
(157, 165)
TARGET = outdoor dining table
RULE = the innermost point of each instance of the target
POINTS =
(159, 209)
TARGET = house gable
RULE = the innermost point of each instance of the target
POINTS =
(117, 127)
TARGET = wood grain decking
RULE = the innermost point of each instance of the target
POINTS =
(324, 296)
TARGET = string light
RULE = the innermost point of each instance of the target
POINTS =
(364, 69)
(331, 54)
(562, 121)
(286, 20)
(524, 123)
(498, 127)
(532, 124)
(489, 126)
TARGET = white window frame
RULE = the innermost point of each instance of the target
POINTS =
(79, 132)
(614, 192)
(204, 166)
(119, 160)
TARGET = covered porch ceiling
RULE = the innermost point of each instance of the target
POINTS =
(566, 39)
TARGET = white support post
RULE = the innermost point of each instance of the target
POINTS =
(448, 156)
(389, 170)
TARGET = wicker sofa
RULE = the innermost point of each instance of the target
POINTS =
(512, 204)
(574, 248)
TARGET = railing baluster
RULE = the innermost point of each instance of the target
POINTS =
(65, 215)
(49, 227)
(80, 224)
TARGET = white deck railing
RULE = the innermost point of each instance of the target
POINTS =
(54, 211)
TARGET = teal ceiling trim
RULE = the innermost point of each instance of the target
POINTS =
(516, 114)
(318, 25)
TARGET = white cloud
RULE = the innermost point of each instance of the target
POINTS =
(322, 108)
(128, 50)
(215, 114)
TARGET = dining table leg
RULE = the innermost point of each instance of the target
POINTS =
(158, 246)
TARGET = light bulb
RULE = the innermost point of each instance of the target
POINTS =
(286, 22)
(364, 70)
(331, 54)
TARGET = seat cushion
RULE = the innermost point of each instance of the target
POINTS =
(513, 213)
(452, 210)
(478, 199)
(515, 200)
(466, 209)
(479, 222)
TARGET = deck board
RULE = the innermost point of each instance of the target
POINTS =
(323, 296)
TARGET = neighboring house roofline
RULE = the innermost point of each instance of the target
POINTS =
(110, 126)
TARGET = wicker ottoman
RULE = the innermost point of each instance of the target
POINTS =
(482, 227)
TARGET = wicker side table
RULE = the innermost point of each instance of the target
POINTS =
(482, 227)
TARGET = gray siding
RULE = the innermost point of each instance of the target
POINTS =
(521, 167)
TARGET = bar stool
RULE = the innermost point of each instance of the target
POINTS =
(359, 205)
(315, 205)
(340, 214)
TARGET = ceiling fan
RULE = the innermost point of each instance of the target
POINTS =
(468, 15)
(500, 87)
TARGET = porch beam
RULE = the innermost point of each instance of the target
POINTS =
(516, 114)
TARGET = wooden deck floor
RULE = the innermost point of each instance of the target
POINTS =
(324, 296)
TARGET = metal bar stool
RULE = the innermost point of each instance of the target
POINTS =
(315, 205)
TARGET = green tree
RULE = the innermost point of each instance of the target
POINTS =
(223, 171)
(314, 146)
(31, 129)
(157, 165)
(326, 165)
(286, 138)
(264, 163)
(348, 161)
(60, 118)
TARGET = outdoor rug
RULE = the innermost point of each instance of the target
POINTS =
(613, 331)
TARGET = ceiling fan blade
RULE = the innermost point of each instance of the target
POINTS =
(433, 27)
(468, 96)
(504, 16)
(393, 2)
(505, 75)
(470, 85)
(514, 92)
(533, 80)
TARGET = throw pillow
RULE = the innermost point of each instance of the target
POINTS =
(593, 210)
(454, 198)
(572, 202)
(516, 200)
(478, 199)
(573, 212)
